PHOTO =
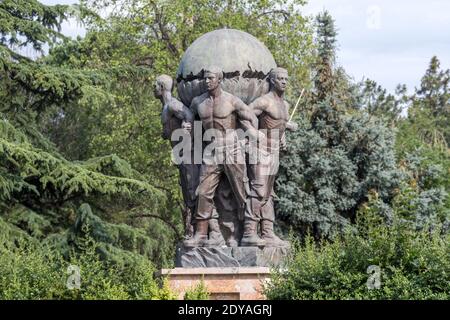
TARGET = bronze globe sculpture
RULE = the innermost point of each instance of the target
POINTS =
(244, 60)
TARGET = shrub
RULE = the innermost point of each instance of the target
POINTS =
(412, 264)
(198, 292)
(30, 270)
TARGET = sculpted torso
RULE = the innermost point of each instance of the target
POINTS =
(272, 113)
(218, 113)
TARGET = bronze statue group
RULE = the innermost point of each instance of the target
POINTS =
(228, 199)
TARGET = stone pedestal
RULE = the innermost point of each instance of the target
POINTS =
(243, 283)
(222, 257)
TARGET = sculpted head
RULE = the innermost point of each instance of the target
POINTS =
(278, 78)
(163, 83)
(213, 77)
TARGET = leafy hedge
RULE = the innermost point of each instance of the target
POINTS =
(413, 265)
(31, 270)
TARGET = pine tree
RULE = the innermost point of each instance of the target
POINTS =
(375, 100)
(433, 97)
(434, 88)
(326, 50)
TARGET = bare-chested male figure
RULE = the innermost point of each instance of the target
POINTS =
(175, 115)
(272, 112)
(223, 112)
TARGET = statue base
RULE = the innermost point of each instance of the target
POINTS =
(221, 283)
(223, 257)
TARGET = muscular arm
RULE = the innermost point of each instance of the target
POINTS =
(258, 106)
(248, 119)
(245, 113)
(194, 107)
(165, 123)
(180, 111)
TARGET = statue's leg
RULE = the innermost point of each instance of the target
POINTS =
(231, 227)
(193, 179)
(260, 175)
(257, 191)
(235, 169)
(226, 206)
(209, 180)
(251, 211)
(268, 211)
(189, 177)
(236, 172)
(267, 232)
(215, 234)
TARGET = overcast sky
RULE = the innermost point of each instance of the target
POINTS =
(388, 41)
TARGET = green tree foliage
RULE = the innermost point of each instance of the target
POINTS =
(376, 101)
(30, 22)
(432, 100)
(324, 81)
(40, 190)
(160, 31)
(434, 96)
(422, 148)
(411, 246)
(336, 157)
(121, 244)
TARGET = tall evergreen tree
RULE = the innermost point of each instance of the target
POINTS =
(433, 97)
(434, 91)
(324, 83)
(376, 101)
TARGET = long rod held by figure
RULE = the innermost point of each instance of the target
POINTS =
(296, 105)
